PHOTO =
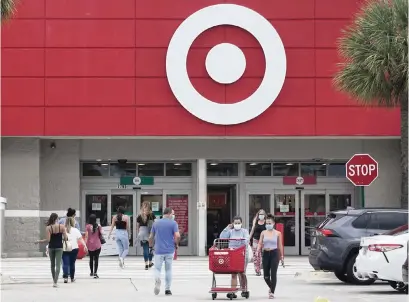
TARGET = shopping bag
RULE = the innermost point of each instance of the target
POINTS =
(81, 250)
(251, 255)
(175, 255)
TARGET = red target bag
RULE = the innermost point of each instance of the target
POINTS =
(81, 250)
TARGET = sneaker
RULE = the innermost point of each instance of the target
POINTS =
(270, 295)
(96, 276)
(120, 262)
(150, 265)
(65, 280)
(232, 295)
(258, 273)
(146, 267)
(55, 285)
(157, 287)
(91, 274)
(168, 292)
(73, 280)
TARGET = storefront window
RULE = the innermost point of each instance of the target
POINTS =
(97, 204)
(180, 205)
(339, 202)
(337, 170)
(151, 169)
(120, 170)
(125, 201)
(285, 169)
(222, 169)
(313, 169)
(258, 169)
(95, 169)
(178, 169)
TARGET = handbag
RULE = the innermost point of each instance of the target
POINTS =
(101, 237)
(66, 246)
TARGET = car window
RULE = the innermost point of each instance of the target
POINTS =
(398, 231)
(361, 222)
(386, 220)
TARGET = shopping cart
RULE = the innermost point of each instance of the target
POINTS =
(225, 260)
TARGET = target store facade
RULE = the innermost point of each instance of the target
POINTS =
(215, 108)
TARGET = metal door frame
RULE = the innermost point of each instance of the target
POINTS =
(292, 250)
(184, 250)
(132, 249)
(305, 250)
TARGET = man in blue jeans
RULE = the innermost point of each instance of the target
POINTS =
(165, 234)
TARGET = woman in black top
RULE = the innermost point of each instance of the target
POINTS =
(56, 234)
(144, 223)
(259, 225)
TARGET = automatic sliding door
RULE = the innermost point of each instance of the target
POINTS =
(286, 205)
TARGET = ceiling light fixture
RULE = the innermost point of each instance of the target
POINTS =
(141, 164)
(253, 164)
(214, 164)
(289, 164)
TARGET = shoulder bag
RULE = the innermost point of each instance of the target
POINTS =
(66, 246)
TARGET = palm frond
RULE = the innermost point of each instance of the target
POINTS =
(375, 53)
(7, 8)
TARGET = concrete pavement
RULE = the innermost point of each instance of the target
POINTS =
(299, 286)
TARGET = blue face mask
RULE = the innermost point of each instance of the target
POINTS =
(269, 227)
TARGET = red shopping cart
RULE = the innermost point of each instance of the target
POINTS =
(225, 260)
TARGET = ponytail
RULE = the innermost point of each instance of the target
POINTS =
(120, 213)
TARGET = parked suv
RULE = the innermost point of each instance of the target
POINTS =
(336, 241)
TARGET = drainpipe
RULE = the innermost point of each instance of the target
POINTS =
(3, 203)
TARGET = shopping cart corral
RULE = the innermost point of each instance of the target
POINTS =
(224, 260)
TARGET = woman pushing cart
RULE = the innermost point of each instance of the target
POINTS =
(230, 255)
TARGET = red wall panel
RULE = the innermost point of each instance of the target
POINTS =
(278, 121)
(23, 62)
(30, 9)
(23, 33)
(22, 92)
(172, 121)
(22, 121)
(90, 92)
(89, 62)
(90, 9)
(91, 67)
(351, 121)
(89, 121)
(90, 33)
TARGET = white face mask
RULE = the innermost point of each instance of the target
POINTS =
(237, 226)
(261, 216)
(173, 217)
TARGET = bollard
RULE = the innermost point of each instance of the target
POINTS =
(3, 203)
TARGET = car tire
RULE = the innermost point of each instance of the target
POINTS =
(341, 276)
(350, 272)
(400, 287)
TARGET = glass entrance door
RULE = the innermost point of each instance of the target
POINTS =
(340, 199)
(256, 202)
(179, 200)
(127, 200)
(285, 210)
(155, 198)
(95, 202)
(314, 208)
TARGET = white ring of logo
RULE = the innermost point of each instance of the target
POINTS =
(193, 101)
(221, 261)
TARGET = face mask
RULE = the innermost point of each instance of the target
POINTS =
(173, 217)
(261, 216)
(269, 227)
(237, 226)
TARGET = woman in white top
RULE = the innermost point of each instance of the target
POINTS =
(69, 257)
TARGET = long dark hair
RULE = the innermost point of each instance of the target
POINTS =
(92, 220)
(53, 218)
(121, 212)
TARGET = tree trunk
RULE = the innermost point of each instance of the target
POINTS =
(404, 151)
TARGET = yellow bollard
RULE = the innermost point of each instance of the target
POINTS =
(320, 299)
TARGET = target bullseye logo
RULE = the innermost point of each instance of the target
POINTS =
(225, 64)
(221, 261)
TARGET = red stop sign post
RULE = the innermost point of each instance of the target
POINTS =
(362, 169)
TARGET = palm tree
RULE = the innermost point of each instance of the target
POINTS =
(375, 70)
(7, 8)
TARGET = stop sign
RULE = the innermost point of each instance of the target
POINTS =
(362, 169)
